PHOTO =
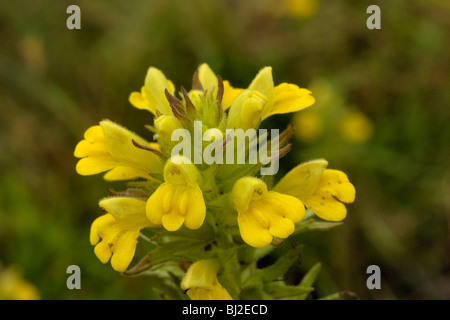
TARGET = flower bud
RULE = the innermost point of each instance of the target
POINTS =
(165, 125)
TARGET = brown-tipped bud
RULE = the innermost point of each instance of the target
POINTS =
(173, 101)
(189, 106)
(177, 106)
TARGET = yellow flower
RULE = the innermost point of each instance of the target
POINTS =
(301, 9)
(264, 214)
(262, 100)
(179, 199)
(323, 191)
(119, 230)
(201, 281)
(152, 96)
(109, 147)
(14, 287)
(308, 125)
(355, 127)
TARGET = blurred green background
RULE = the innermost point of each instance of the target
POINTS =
(55, 83)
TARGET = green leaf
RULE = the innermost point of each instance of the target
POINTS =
(248, 254)
(229, 276)
(309, 278)
(275, 270)
(254, 294)
(163, 282)
(281, 291)
(314, 224)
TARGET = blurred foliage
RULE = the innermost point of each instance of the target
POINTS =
(56, 82)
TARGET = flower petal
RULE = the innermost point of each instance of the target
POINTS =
(207, 77)
(172, 221)
(288, 98)
(326, 207)
(219, 293)
(89, 149)
(128, 212)
(154, 206)
(94, 134)
(201, 274)
(287, 206)
(99, 223)
(338, 182)
(280, 227)
(215, 293)
(124, 250)
(263, 83)
(155, 85)
(229, 94)
(252, 233)
(103, 251)
(125, 173)
(120, 145)
(196, 208)
(302, 181)
(93, 165)
(139, 100)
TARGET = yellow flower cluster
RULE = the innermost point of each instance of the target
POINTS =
(176, 194)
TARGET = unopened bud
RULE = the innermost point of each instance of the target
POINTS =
(165, 125)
